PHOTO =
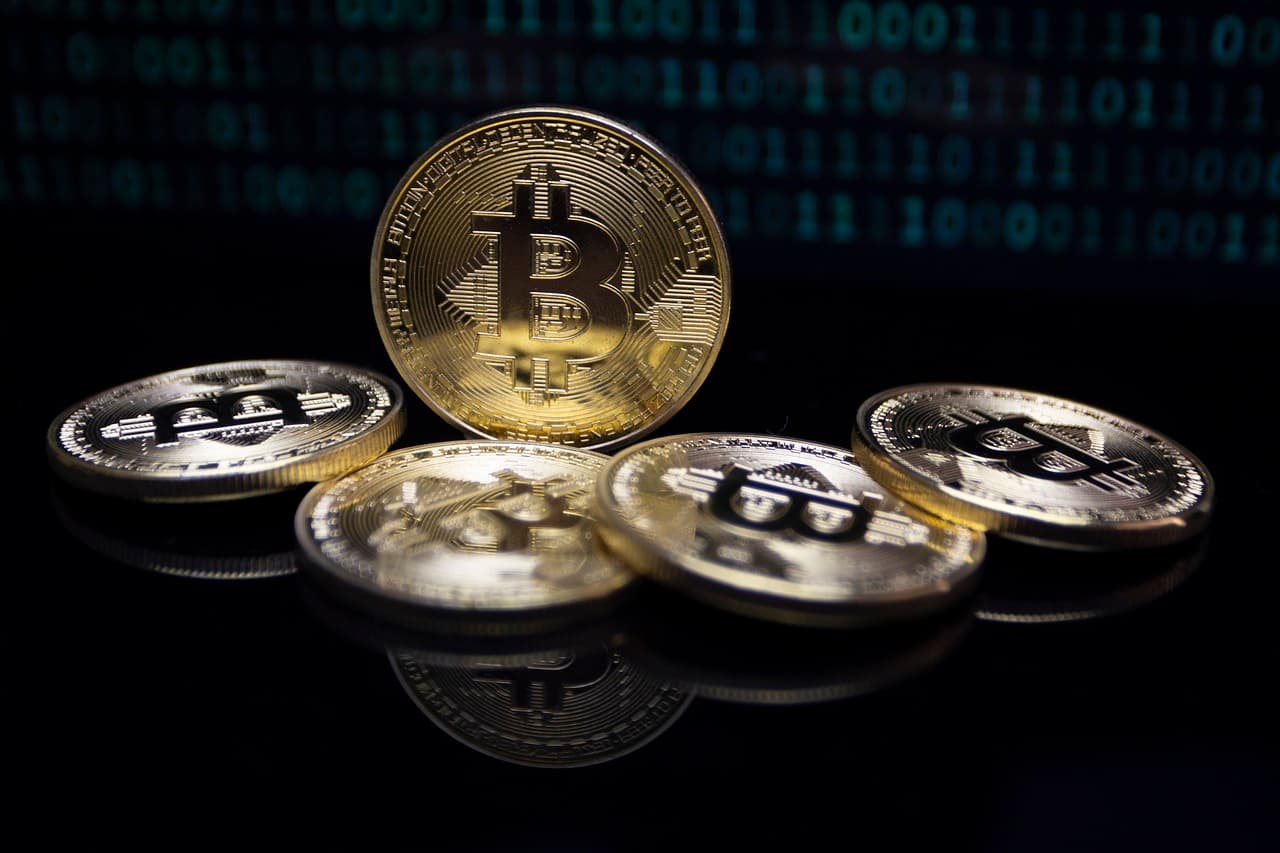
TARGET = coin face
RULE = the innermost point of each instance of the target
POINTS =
(1032, 467)
(556, 708)
(469, 526)
(550, 275)
(226, 430)
(781, 529)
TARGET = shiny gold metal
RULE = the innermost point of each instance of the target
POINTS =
(554, 707)
(548, 274)
(780, 529)
(469, 527)
(1032, 467)
(226, 430)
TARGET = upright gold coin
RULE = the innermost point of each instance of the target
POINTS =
(226, 430)
(781, 529)
(1032, 467)
(469, 527)
(548, 274)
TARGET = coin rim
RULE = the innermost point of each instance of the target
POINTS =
(647, 557)
(1018, 522)
(678, 170)
(313, 560)
(331, 461)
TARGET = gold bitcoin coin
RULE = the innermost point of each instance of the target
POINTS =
(1032, 467)
(781, 529)
(550, 275)
(226, 430)
(470, 527)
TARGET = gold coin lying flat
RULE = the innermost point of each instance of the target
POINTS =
(550, 275)
(1032, 467)
(781, 529)
(468, 527)
(226, 430)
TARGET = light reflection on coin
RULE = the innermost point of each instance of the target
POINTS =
(1035, 587)
(470, 527)
(226, 430)
(781, 529)
(234, 541)
(567, 707)
(1032, 467)
(548, 274)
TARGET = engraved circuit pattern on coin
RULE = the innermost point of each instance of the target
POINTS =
(226, 430)
(782, 529)
(464, 526)
(1032, 466)
(558, 708)
(550, 275)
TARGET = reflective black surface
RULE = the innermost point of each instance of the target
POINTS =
(1148, 728)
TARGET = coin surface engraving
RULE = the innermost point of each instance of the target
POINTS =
(782, 529)
(551, 275)
(1032, 466)
(226, 430)
(464, 526)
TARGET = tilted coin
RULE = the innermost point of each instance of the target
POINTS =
(548, 274)
(226, 430)
(781, 529)
(1032, 467)
(566, 707)
(469, 526)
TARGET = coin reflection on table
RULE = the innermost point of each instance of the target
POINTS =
(246, 540)
(553, 707)
(733, 659)
(1026, 585)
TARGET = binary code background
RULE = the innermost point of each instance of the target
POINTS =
(840, 142)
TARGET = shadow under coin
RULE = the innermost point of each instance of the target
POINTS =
(233, 541)
(1026, 585)
(735, 659)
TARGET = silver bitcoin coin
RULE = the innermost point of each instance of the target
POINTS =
(226, 430)
(470, 527)
(1032, 467)
(780, 529)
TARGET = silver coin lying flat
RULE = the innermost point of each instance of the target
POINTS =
(226, 430)
(781, 529)
(1032, 467)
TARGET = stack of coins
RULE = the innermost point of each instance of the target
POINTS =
(554, 284)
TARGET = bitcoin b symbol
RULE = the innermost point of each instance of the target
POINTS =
(556, 305)
(1026, 448)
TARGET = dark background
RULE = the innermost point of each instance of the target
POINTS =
(170, 212)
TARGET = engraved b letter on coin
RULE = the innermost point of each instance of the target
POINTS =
(544, 331)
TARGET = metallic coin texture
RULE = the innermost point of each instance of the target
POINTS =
(1032, 467)
(781, 529)
(464, 526)
(226, 430)
(558, 708)
(550, 275)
